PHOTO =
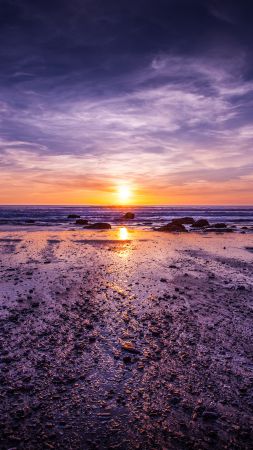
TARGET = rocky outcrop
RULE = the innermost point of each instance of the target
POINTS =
(73, 216)
(218, 230)
(219, 225)
(81, 222)
(184, 221)
(99, 226)
(201, 223)
(129, 216)
(173, 227)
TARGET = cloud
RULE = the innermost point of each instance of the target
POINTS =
(93, 99)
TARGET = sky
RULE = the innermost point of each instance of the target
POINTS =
(152, 97)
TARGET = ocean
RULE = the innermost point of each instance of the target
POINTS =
(146, 217)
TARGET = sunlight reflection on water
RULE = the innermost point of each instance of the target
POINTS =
(123, 233)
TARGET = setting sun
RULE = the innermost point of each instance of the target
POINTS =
(124, 194)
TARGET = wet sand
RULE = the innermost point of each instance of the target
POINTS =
(140, 343)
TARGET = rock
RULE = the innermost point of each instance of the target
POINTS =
(128, 216)
(219, 230)
(129, 347)
(219, 225)
(175, 400)
(201, 223)
(73, 216)
(35, 304)
(241, 288)
(99, 226)
(81, 222)
(88, 325)
(184, 221)
(210, 416)
(155, 331)
(171, 227)
(127, 359)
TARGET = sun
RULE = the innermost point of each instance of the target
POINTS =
(124, 193)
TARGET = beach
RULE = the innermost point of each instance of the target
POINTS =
(125, 339)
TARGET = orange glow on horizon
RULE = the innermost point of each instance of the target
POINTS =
(30, 191)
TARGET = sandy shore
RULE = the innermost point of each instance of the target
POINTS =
(142, 343)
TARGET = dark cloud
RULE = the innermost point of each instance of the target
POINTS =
(62, 41)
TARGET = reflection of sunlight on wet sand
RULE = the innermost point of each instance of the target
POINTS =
(123, 233)
(125, 252)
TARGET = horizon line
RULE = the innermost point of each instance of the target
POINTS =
(126, 206)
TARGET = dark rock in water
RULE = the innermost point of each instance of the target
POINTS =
(128, 216)
(99, 226)
(171, 227)
(201, 223)
(73, 216)
(219, 225)
(81, 222)
(184, 221)
(218, 230)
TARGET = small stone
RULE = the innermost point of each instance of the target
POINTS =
(35, 304)
(241, 288)
(210, 416)
(127, 359)
(129, 347)
(88, 325)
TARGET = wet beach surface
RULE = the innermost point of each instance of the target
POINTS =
(125, 340)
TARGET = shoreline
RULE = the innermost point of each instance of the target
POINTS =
(148, 217)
